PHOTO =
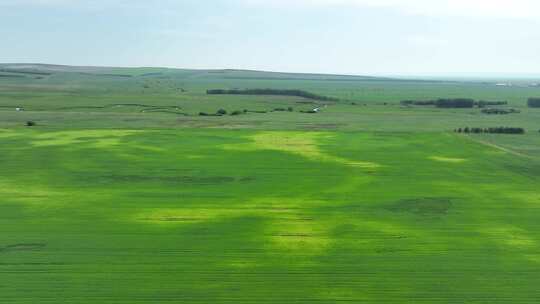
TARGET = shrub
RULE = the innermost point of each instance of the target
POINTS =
(30, 123)
(221, 112)
(237, 112)
(290, 109)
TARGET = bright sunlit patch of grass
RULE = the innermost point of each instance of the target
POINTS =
(448, 159)
(6, 133)
(174, 216)
(511, 237)
(90, 138)
(305, 144)
(35, 195)
(306, 237)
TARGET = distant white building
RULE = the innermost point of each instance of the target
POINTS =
(18, 109)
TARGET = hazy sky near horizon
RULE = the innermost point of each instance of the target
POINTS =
(387, 37)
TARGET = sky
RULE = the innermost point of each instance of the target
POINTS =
(362, 37)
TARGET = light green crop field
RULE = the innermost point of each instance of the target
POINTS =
(110, 200)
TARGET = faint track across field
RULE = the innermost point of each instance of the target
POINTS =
(500, 148)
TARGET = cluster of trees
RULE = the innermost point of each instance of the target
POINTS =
(442, 103)
(484, 103)
(223, 112)
(297, 93)
(499, 111)
(495, 130)
(453, 103)
(534, 102)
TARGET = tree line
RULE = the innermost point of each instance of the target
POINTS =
(453, 103)
(484, 103)
(534, 102)
(223, 112)
(495, 130)
(296, 93)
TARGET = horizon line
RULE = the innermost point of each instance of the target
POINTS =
(513, 75)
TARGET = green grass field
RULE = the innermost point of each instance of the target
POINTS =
(359, 203)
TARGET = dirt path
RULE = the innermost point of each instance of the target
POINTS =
(501, 148)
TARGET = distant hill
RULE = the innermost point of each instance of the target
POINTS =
(35, 68)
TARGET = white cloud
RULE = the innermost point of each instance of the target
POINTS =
(464, 8)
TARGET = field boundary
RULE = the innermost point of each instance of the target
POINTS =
(500, 148)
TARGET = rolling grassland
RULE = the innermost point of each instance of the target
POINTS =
(198, 216)
(121, 193)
